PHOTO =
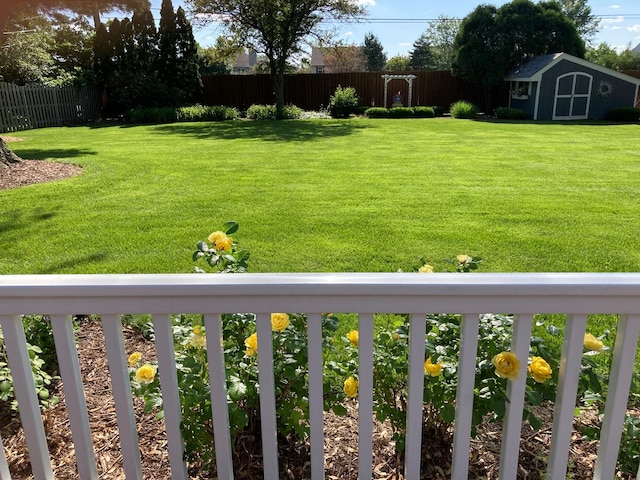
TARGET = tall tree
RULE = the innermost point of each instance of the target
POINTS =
(167, 45)
(492, 41)
(373, 53)
(398, 63)
(579, 12)
(275, 28)
(422, 56)
(11, 8)
(440, 35)
(188, 73)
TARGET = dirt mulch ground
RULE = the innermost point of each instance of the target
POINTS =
(29, 172)
(341, 437)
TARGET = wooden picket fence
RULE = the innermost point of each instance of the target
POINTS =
(35, 106)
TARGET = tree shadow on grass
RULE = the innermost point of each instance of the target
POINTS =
(268, 130)
(18, 219)
(75, 262)
(54, 153)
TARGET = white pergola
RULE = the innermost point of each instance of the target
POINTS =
(388, 78)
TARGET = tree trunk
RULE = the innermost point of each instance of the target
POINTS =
(7, 157)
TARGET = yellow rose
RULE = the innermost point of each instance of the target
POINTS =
(198, 341)
(426, 269)
(433, 369)
(251, 342)
(224, 243)
(351, 387)
(395, 335)
(134, 358)
(353, 336)
(539, 369)
(507, 365)
(146, 373)
(197, 330)
(279, 322)
(592, 343)
(462, 259)
(215, 236)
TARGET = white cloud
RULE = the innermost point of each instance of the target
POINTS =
(405, 44)
(365, 2)
(635, 28)
(616, 28)
(614, 6)
(348, 34)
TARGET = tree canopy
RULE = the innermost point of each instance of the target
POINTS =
(579, 12)
(275, 28)
(492, 41)
(422, 57)
(373, 53)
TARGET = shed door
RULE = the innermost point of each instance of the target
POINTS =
(573, 94)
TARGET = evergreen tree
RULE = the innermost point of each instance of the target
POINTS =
(373, 53)
(167, 45)
(188, 74)
(422, 56)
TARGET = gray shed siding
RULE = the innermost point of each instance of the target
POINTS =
(527, 105)
(623, 93)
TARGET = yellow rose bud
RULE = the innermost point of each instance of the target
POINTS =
(215, 236)
(134, 358)
(353, 336)
(279, 322)
(251, 343)
(351, 387)
(462, 259)
(197, 329)
(507, 365)
(146, 373)
(395, 335)
(539, 369)
(433, 369)
(224, 243)
(592, 343)
(426, 269)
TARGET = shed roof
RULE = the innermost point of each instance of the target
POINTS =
(532, 70)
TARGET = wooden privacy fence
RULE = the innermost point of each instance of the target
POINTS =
(36, 106)
(312, 91)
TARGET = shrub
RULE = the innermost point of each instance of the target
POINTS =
(199, 113)
(268, 112)
(463, 109)
(376, 112)
(152, 115)
(343, 102)
(424, 112)
(623, 114)
(438, 111)
(400, 112)
(511, 113)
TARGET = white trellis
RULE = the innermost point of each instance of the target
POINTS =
(388, 78)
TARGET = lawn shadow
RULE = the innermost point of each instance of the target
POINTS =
(75, 262)
(585, 123)
(268, 130)
(18, 219)
(55, 153)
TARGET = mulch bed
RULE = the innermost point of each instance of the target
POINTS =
(341, 436)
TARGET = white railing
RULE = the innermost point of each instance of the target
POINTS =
(576, 295)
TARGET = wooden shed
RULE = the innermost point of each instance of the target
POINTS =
(560, 86)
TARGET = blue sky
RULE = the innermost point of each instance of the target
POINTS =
(619, 26)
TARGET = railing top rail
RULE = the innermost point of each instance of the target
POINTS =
(375, 292)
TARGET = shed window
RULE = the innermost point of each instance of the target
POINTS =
(521, 89)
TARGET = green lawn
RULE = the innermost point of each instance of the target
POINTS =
(328, 195)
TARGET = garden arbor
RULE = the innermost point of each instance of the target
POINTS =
(388, 78)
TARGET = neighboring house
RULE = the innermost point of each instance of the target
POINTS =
(244, 63)
(560, 86)
(636, 49)
(338, 59)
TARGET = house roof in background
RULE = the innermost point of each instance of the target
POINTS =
(532, 70)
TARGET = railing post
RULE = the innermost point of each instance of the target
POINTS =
(25, 389)
(365, 396)
(414, 401)
(512, 426)
(63, 335)
(568, 377)
(464, 396)
(267, 396)
(316, 400)
(624, 352)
